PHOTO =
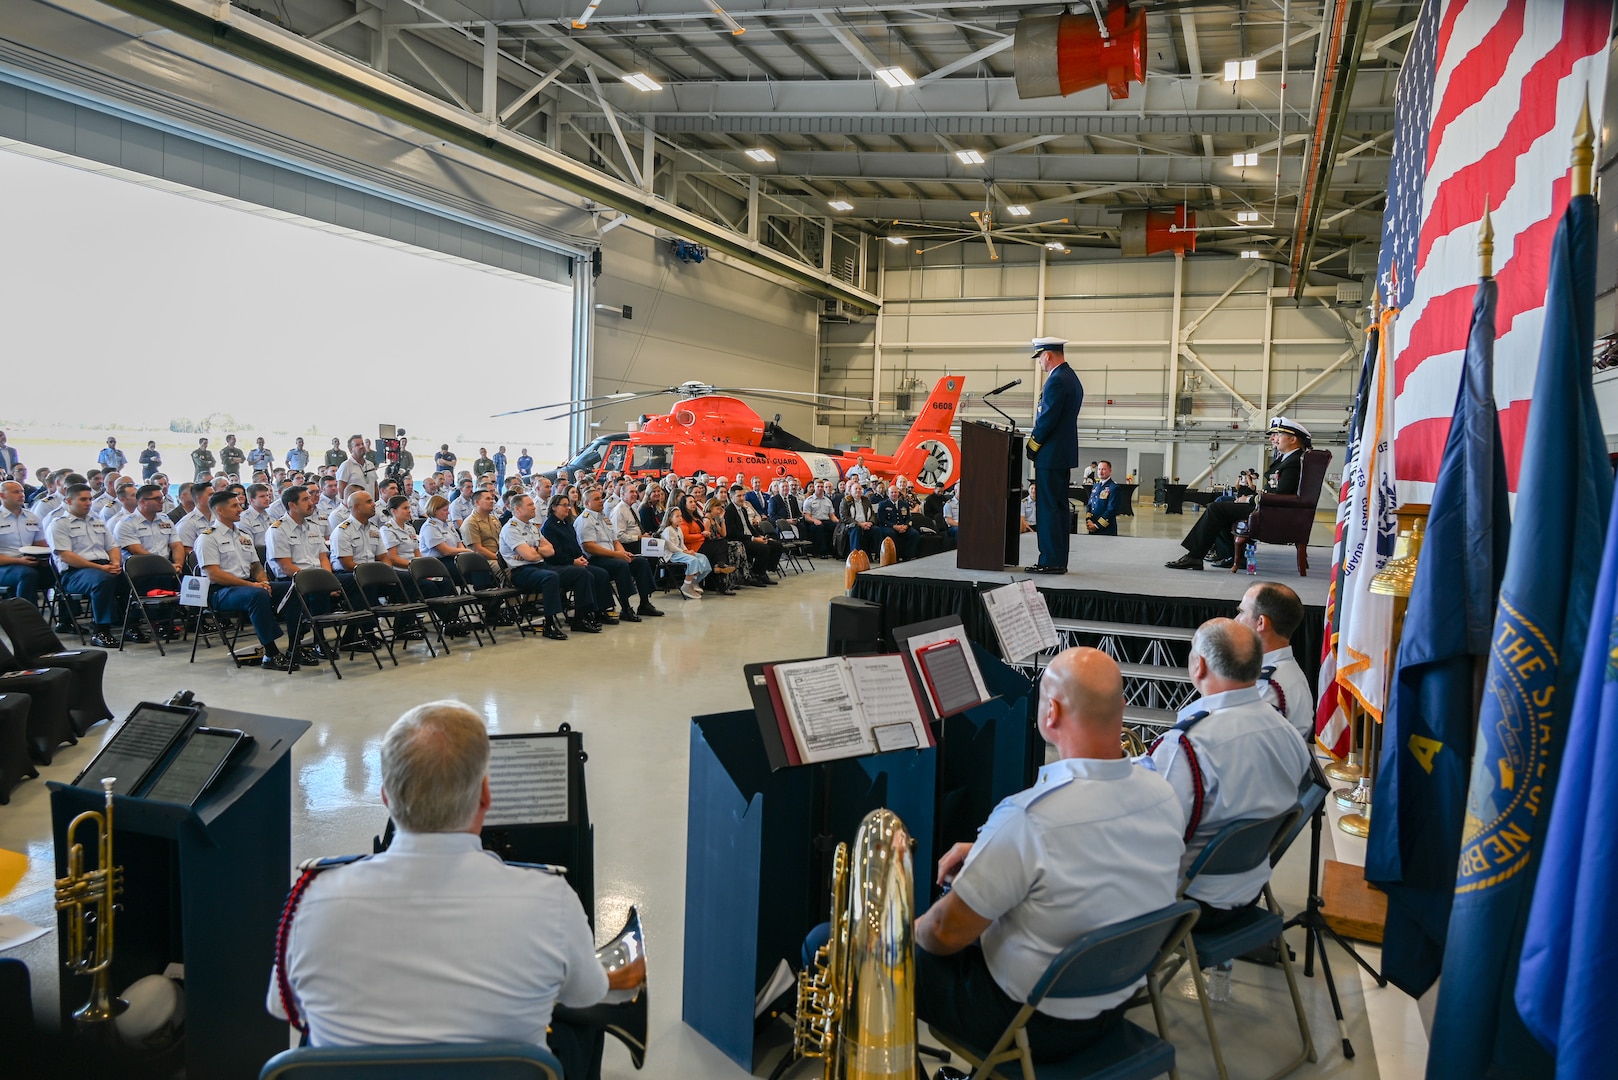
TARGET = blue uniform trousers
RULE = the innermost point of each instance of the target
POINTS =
(537, 579)
(25, 581)
(258, 604)
(1050, 507)
(106, 593)
(629, 575)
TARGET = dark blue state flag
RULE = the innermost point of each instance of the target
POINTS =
(1565, 989)
(1535, 650)
(1420, 795)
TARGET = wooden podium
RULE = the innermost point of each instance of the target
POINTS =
(991, 491)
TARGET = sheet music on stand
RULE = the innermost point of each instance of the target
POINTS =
(1021, 620)
(528, 780)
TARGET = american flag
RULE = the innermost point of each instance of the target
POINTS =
(1487, 101)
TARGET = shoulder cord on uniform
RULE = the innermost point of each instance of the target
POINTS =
(282, 932)
(1181, 729)
(1268, 675)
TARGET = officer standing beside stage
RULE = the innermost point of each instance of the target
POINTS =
(1053, 447)
(1101, 512)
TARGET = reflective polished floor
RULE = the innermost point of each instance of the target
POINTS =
(632, 691)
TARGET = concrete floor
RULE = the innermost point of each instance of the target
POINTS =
(632, 691)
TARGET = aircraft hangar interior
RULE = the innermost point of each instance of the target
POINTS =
(640, 250)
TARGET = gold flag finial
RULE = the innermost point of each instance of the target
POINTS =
(1376, 305)
(1584, 153)
(1486, 243)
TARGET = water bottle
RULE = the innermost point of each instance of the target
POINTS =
(1252, 556)
(1219, 983)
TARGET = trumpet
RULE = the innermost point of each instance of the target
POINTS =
(857, 1000)
(623, 1014)
(90, 898)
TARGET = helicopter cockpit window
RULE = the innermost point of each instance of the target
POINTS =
(615, 457)
(653, 458)
(590, 455)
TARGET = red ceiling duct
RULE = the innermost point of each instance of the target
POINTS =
(1058, 55)
(1151, 232)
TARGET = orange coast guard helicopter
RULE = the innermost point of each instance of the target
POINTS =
(710, 431)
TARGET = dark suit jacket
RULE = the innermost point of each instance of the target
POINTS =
(1056, 425)
(755, 499)
(785, 506)
(733, 526)
(563, 539)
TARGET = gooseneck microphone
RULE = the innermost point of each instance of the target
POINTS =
(1003, 389)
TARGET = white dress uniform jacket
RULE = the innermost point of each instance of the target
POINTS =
(254, 523)
(188, 528)
(228, 548)
(87, 537)
(153, 536)
(289, 540)
(1250, 762)
(1091, 843)
(1287, 688)
(593, 527)
(514, 534)
(436, 534)
(362, 543)
(401, 539)
(437, 940)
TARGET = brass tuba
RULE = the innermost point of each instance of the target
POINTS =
(857, 1000)
(90, 898)
(623, 1014)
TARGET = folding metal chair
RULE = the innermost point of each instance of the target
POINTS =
(209, 623)
(448, 606)
(495, 599)
(382, 581)
(794, 548)
(1103, 961)
(425, 1061)
(1235, 849)
(315, 579)
(151, 572)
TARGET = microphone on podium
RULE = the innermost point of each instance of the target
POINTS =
(1003, 389)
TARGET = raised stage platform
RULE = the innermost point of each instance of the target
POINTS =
(1118, 579)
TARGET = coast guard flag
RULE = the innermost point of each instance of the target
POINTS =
(1420, 793)
(1565, 991)
(1487, 96)
(1535, 653)
(1372, 525)
(1332, 732)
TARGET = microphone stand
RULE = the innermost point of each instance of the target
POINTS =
(1001, 411)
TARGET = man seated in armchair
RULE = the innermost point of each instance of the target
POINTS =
(1210, 538)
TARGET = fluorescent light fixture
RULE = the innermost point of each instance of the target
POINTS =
(1250, 254)
(895, 77)
(1243, 160)
(1056, 245)
(1244, 216)
(642, 81)
(898, 240)
(1018, 211)
(840, 204)
(1240, 70)
(969, 157)
(758, 153)
(584, 20)
(731, 24)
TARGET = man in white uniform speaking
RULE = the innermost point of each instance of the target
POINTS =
(436, 940)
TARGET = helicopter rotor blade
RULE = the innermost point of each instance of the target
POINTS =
(587, 403)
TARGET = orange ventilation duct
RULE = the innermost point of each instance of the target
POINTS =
(1058, 55)
(1151, 232)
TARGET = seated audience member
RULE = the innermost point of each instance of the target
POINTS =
(20, 528)
(255, 520)
(1210, 537)
(236, 580)
(1094, 842)
(50, 506)
(859, 518)
(462, 504)
(184, 503)
(104, 493)
(558, 530)
(297, 542)
(89, 561)
(1230, 757)
(331, 498)
(743, 525)
(341, 512)
(819, 519)
(711, 544)
(400, 544)
(893, 520)
(481, 533)
(148, 531)
(756, 497)
(524, 550)
(785, 507)
(630, 574)
(1101, 511)
(1274, 613)
(625, 518)
(1030, 511)
(675, 550)
(441, 537)
(200, 517)
(355, 540)
(952, 512)
(122, 506)
(652, 510)
(368, 946)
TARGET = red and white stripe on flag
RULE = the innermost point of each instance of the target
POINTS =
(1510, 77)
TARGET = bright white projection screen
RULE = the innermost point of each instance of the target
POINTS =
(136, 310)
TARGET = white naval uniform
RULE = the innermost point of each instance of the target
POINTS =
(228, 548)
(436, 534)
(436, 940)
(289, 540)
(1090, 844)
(400, 538)
(1030, 511)
(189, 527)
(1287, 688)
(460, 508)
(87, 537)
(19, 530)
(1251, 762)
(153, 536)
(593, 527)
(362, 543)
(513, 534)
(254, 523)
